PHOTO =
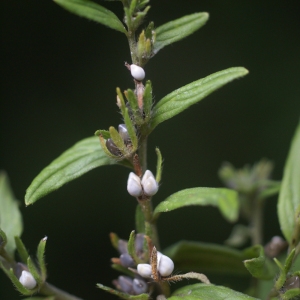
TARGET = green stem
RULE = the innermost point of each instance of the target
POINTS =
(257, 221)
(143, 154)
(49, 290)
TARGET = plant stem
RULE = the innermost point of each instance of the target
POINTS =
(49, 290)
(257, 221)
(143, 154)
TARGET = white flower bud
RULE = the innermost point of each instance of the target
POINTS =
(144, 270)
(139, 286)
(27, 280)
(165, 265)
(134, 187)
(137, 72)
(149, 184)
(124, 133)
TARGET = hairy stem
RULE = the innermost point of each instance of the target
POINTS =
(49, 290)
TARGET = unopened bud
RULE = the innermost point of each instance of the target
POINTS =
(122, 246)
(137, 72)
(125, 284)
(126, 260)
(112, 148)
(165, 265)
(144, 270)
(134, 187)
(149, 184)
(292, 283)
(124, 133)
(139, 244)
(139, 286)
(27, 280)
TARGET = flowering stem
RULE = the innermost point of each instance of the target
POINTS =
(49, 290)
(257, 221)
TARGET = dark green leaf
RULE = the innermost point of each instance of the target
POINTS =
(176, 30)
(205, 257)
(10, 217)
(182, 98)
(94, 12)
(40, 298)
(208, 292)
(73, 163)
(260, 266)
(289, 197)
(225, 199)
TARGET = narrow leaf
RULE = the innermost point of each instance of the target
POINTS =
(176, 30)
(289, 196)
(73, 163)
(122, 295)
(182, 98)
(208, 292)
(22, 251)
(10, 217)
(225, 199)
(206, 257)
(94, 12)
(260, 266)
(41, 258)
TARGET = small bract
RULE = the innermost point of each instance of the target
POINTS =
(27, 280)
(137, 72)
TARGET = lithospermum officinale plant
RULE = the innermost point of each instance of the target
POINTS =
(145, 271)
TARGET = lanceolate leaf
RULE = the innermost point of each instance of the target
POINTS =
(289, 197)
(208, 292)
(206, 257)
(76, 161)
(182, 98)
(225, 199)
(176, 30)
(10, 216)
(93, 11)
(260, 266)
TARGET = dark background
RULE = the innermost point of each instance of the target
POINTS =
(59, 74)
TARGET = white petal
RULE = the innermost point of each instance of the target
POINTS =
(137, 72)
(144, 270)
(149, 184)
(27, 280)
(134, 187)
(165, 266)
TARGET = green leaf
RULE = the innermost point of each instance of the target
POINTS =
(176, 30)
(122, 295)
(206, 257)
(41, 258)
(10, 217)
(208, 292)
(225, 199)
(182, 98)
(22, 251)
(289, 196)
(73, 163)
(260, 266)
(94, 12)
